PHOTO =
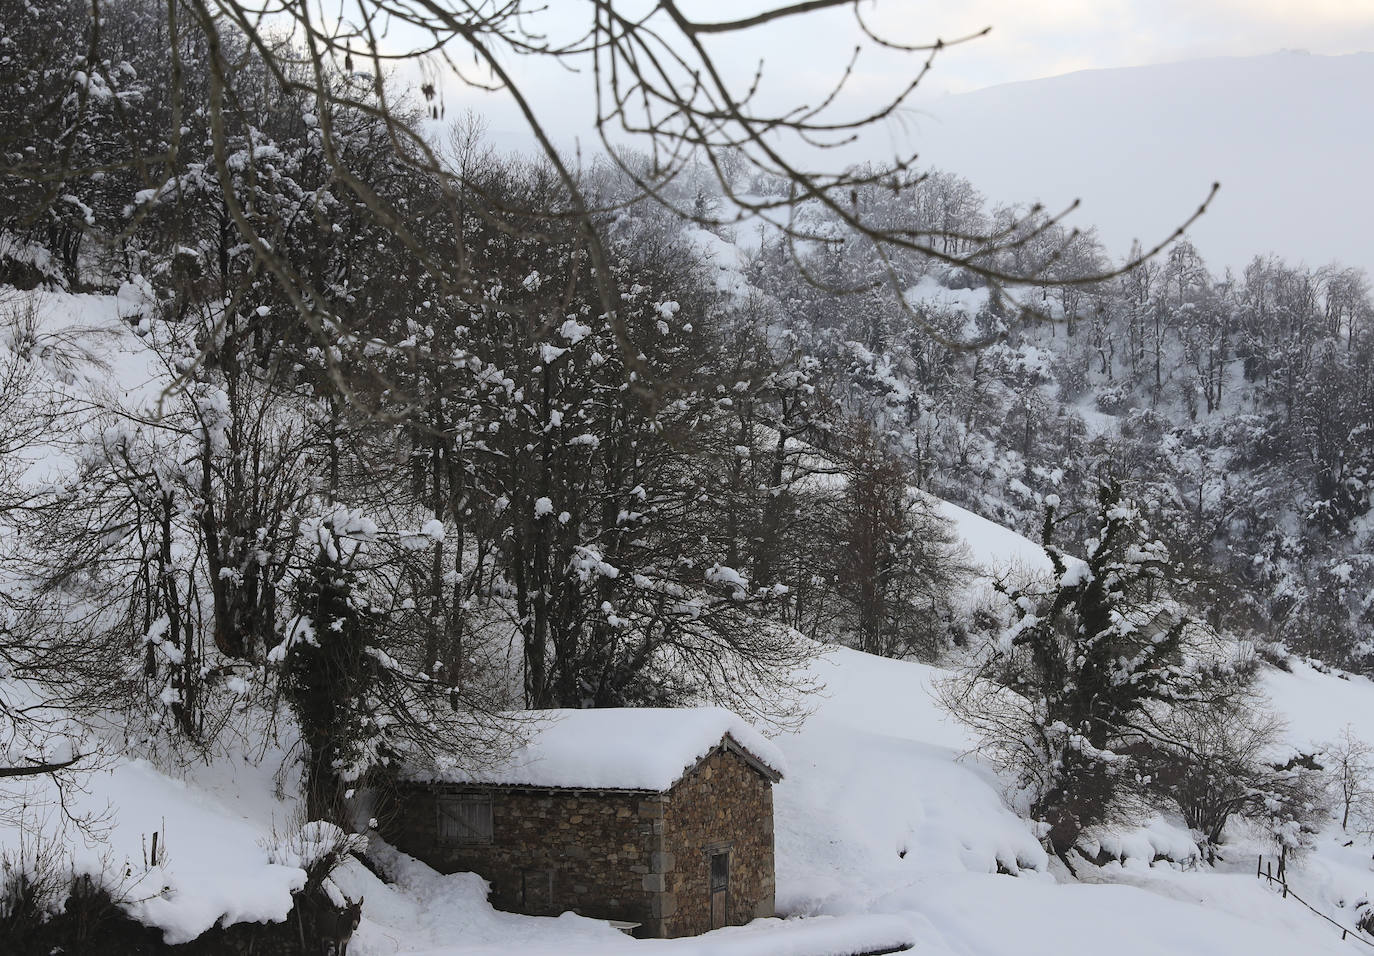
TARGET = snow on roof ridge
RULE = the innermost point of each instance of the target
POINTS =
(616, 748)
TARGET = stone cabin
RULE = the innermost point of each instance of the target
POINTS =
(658, 819)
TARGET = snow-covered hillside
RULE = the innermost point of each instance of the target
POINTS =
(885, 813)
(882, 830)
(889, 829)
(1141, 146)
(333, 476)
(882, 815)
(888, 832)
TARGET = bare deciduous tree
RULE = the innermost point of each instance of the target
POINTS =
(1350, 762)
(656, 80)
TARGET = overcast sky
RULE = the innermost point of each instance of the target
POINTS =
(1245, 123)
(1038, 38)
(1029, 39)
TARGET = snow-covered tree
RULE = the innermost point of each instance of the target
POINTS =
(1070, 690)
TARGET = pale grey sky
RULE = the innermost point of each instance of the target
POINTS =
(1038, 38)
(1030, 39)
(1140, 147)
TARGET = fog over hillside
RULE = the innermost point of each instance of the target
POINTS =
(1285, 134)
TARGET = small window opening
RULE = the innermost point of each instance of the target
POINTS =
(536, 890)
(464, 819)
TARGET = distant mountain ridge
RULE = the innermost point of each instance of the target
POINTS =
(1288, 136)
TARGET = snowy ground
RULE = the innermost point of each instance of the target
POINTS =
(885, 832)
(426, 913)
(876, 771)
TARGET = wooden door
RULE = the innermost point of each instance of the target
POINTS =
(720, 889)
(536, 892)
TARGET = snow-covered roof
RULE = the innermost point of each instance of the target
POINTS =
(641, 748)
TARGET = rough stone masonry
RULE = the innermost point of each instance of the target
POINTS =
(630, 855)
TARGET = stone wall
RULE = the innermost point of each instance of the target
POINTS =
(552, 850)
(633, 856)
(725, 805)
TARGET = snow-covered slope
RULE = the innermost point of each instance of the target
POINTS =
(885, 813)
(881, 815)
(1284, 134)
(991, 547)
(887, 830)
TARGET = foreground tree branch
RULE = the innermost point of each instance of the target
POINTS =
(658, 86)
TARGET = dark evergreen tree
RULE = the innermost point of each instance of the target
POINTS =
(1063, 698)
(329, 679)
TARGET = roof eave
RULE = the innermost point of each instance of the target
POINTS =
(734, 746)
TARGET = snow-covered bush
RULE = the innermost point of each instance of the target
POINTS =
(1111, 401)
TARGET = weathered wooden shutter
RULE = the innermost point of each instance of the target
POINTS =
(465, 819)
